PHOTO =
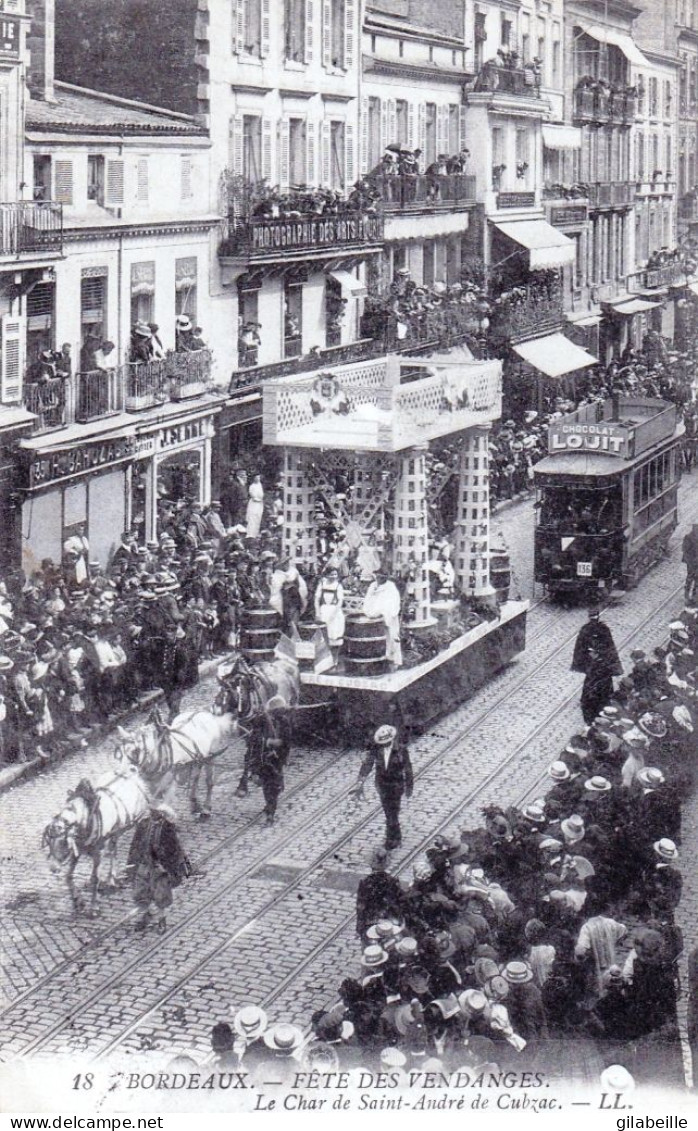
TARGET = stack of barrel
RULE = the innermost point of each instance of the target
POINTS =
(260, 631)
(500, 574)
(365, 645)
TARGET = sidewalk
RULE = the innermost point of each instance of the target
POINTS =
(21, 771)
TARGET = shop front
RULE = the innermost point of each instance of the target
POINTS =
(172, 465)
(73, 485)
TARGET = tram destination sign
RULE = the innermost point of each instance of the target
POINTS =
(606, 438)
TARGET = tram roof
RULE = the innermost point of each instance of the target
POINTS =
(583, 463)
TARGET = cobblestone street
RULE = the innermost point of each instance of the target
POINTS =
(268, 915)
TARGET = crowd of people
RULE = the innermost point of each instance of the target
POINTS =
(550, 923)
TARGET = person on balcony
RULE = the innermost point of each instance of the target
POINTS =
(64, 362)
(104, 356)
(197, 340)
(87, 353)
(183, 334)
(141, 343)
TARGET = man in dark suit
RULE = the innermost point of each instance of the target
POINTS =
(596, 656)
(389, 757)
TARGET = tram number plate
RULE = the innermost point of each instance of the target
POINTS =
(583, 569)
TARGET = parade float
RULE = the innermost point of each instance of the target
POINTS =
(355, 444)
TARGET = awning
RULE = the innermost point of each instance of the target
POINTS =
(592, 320)
(348, 282)
(617, 39)
(555, 355)
(548, 247)
(635, 306)
(562, 137)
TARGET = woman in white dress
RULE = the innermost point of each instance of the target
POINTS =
(255, 507)
(329, 607)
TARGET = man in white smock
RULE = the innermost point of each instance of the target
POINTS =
(383, 600)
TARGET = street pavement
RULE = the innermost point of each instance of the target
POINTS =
(268, 916)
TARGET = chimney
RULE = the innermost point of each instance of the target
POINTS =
(41, 49)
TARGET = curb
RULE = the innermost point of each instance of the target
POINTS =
(24, 771)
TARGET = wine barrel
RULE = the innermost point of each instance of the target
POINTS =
(365, 645)
(260, 630)
(500, 574)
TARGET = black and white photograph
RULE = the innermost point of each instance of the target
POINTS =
(349, 561)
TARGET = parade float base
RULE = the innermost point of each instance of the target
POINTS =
(424, 693)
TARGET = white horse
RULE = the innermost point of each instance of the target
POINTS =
(92, 821)
(192, 740)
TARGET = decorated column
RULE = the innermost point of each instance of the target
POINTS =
(299, 537)
(410, 531)
(473, 522)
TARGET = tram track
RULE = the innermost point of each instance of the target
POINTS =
(332, 850)
(69, 1017)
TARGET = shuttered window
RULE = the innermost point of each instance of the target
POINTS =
(93, 304)
(142, 180)
(63, 182)
(115, 182)
(187, 181)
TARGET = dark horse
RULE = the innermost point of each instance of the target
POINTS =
(263, 697)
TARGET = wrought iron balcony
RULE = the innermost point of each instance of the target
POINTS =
(300, 235)
(524, 312)
(611, 194)
(131, 387)
(652, 278)
(424, 192)
(595, 104)
(31, 228)
(522, 82)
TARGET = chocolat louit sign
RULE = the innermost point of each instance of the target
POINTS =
(605, 437)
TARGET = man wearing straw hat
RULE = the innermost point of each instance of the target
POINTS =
(389, 758)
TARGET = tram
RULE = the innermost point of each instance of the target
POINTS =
(606, 494)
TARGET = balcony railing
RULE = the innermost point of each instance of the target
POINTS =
(293, 347)
(447, 326)
(131, 387)
(536, 311)
(265, 239)
(652, 278)
(521, 81)
(29, 227)
(612, 194)
(598, 105)
(574, 193)
(657, 186)
(404, 193)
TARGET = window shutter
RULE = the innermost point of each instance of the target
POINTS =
(63, 184)
(462, 128)
(325, 135)
(284, 159)
(349, 151)
(266, 149)
(350, 33)
(238, 26)
(11, 362)
(385, 140)
(422, 134)
(364, 135)
(142, 183)
(326, 33)
(187, 178)
(235, 144)
(392, 119)
(411, 131)
(441, 129)
(266, 28)
(309, 30)
(115, 182)
(310, 153)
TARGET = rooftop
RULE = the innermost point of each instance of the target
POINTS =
(78, 110)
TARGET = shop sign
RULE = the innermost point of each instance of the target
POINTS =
(604, 437)
(274, 235)
(565, 217)
(145, 446)
(186, 433)
(516, 199)
(83, 458)
(9, 35)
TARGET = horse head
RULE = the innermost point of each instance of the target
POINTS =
(128, 748)
(60, 837)
(235, 690)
